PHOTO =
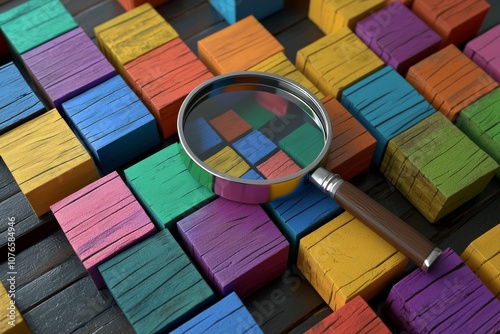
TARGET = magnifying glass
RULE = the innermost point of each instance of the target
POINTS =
(254, 137)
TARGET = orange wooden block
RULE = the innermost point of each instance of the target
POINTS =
(131, 4)
(230, 125)
(352, 146)
(238, 47)
(456, 21)
(450, 81)
(163, 77)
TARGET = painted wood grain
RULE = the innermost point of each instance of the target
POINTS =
(483, 51)
(109, 204)
(255, 115)
(228, 162)
(237, 47)
(234, 10)
(304, 144)
(344, 259)
(11, 321)
(202, 138)
(236, 246)
(336, 61)
(278, 165)
(254, 147)
(450, 81)
(417, 162)
(131, 4)
(230, 125)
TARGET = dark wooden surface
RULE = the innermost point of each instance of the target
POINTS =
(53, 290)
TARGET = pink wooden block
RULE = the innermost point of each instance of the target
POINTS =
(274, 103)
(484, 51)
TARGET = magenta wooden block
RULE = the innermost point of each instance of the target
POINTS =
(484, 51)
(101, 220)
(449, 298)
(398, 36)
(237, 246)
(67, 66)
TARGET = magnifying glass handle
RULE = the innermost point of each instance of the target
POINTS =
(383, 222)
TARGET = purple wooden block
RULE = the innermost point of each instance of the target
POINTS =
(67, 66)
(483, 50)
(398, 36)
(449, 298)
(236, 245)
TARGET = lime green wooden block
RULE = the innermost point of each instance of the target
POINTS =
(436, 166)
(481, 122)
(165, 187)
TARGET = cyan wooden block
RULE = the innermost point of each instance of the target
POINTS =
(254, 147)
(156, 285)
(114, 124)
(386, 104)
(18, 102)
(235, 10)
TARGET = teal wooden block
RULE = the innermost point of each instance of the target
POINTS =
(165, 187)
(156, 285)
(304, 144)
(386, 104)
(235, 10)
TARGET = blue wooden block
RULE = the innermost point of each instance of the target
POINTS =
(156, 285)
(114, 124)
(235, 10)
(386, 104)
(18, 102)
(254, 147)
(301, 213)
(227, 316)
(201, 136)
(252, 175)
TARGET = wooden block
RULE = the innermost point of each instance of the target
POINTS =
(417, 162)
(35, 24)
(227, 161)
(450, 81)
(163, 77)
(344, 259)
(18, 102)
(448, 298)
(386, 105)
(304, 144)
(252, 175)
(166, 168)
(226, 316)
(457, 21)
(255, 115)
(280, 65)
(398, 36)
(354, 317)
(49, 163)
(352, 146)
(114, 124)
(236, 246)
(133, 34)
(300, 214)
(480, 121)
(238, 47)
(110, 205)
(230, 125)
(278, 165)
(202, 137)
(67, 66)
(483, 50)
(254, 147)
(332, 15)
(12, 321)
(336, 61)
(407, 3)
(482, 256)
(170, 292)
(274, 103)
(234, 10)
(131, 4)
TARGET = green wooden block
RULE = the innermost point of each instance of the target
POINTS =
(156, 285)
(436, 166)
(304, 144)
(254, 114)
(165, 188)
(480, 121)
(37, 24)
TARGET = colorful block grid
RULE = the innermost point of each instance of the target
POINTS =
(483, 50)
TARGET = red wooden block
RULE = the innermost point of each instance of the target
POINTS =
(272, 102)
(278, 165)
(230, 125)
(131, 4)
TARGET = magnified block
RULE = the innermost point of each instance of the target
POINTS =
(156, 285)
(165, 188)
(418, 160)
(337, 61)
(237, 246)
(238, 47)
(344, 259)
(12, 321)
(448, 298)
(483, 50)
(100, 221)
(450, 81)
(47, 160)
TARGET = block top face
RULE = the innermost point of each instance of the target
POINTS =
(446, 11)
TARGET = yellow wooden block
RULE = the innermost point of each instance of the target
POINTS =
(483, 257)
(11, 321)
(132, 34)
(344, 258)
(280, 65)
(229, 162)
(47, 160)
(336, 61)
(332, 15)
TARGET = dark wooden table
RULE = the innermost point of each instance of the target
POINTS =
(53, 290)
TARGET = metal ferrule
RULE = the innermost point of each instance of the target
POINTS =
(326, 181)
